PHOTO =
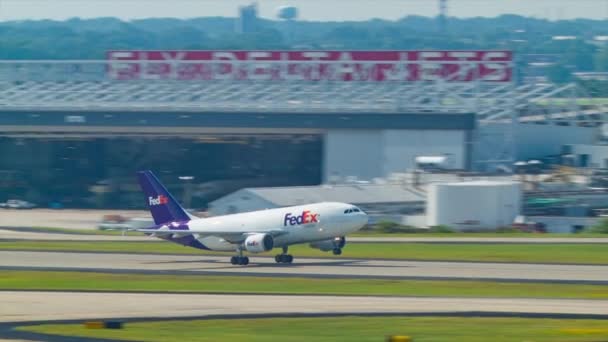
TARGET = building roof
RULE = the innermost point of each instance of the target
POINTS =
(350, 193)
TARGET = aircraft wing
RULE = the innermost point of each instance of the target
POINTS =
(230, 236)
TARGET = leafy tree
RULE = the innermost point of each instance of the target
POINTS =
(559, 73)
(600, 228)
(91, 38)
(601, 60)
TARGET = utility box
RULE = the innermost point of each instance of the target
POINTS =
(474, 205)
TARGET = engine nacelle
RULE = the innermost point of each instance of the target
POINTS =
(329, 245)
(259, 243)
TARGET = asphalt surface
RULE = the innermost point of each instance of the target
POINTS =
(28, 306)
(29, 234)
(11, 234)
(305, 267)
(89, 219)
(65, 218)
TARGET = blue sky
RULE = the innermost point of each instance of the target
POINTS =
(323, 10)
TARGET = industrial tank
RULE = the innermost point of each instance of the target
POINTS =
(474, 205)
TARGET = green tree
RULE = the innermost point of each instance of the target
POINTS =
(559, 73)
(600, 228)
(601, 59)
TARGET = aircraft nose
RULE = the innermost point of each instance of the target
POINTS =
(364, 219)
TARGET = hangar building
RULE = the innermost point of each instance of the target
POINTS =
(271, 118)
(488, 204)
(387, 199)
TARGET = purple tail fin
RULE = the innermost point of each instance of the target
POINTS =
(163, 206)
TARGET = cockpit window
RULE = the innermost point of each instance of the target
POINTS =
(356, 210)
(348, 211)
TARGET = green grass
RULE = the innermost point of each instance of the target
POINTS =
(580, 101)
(72, 281)
(32, 280)
(368, 233)
(550, 253)
(421, 329)
(477, 235)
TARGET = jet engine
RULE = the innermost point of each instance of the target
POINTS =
(258, 243)
(329, 245)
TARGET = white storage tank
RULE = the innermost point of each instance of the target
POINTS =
(474, 205)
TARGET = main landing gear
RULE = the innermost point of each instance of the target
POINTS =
(337, 251)
(239, 259)
(284, 258)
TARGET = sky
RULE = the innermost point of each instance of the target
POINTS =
(318, 10)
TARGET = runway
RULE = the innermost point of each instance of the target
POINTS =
(304, 267)
(37, 306)
(28, 306)
(28, 234)
(89, 219)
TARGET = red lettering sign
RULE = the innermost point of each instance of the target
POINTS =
(375, 66)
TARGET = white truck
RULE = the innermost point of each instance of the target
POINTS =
(17, 204)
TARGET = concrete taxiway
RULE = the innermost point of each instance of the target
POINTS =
(11, 234)
(89, 219)
(33, 306)
(29, 234)
(305, 267)
(65, 218)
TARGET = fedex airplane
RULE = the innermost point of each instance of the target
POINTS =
(322, 225)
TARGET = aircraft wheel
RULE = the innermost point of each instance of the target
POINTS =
(283, 258)
(337, 251)
(239, 260)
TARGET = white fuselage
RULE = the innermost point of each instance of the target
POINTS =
(298, 224)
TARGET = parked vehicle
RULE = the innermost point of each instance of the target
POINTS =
(118, 222)
(17, 204)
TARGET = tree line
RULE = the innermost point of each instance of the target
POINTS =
(571, 44)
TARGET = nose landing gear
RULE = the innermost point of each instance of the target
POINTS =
(284, 258)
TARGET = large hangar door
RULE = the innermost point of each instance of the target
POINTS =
(99, 172)
(401, 147)
(367, 154)
(352, 153)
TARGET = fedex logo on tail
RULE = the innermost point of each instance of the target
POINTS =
(158, 200)
(306, 217)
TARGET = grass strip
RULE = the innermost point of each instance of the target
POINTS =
(357, 234)
(76, 281)
(353, 328)
(529, 253)
(479, 235)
